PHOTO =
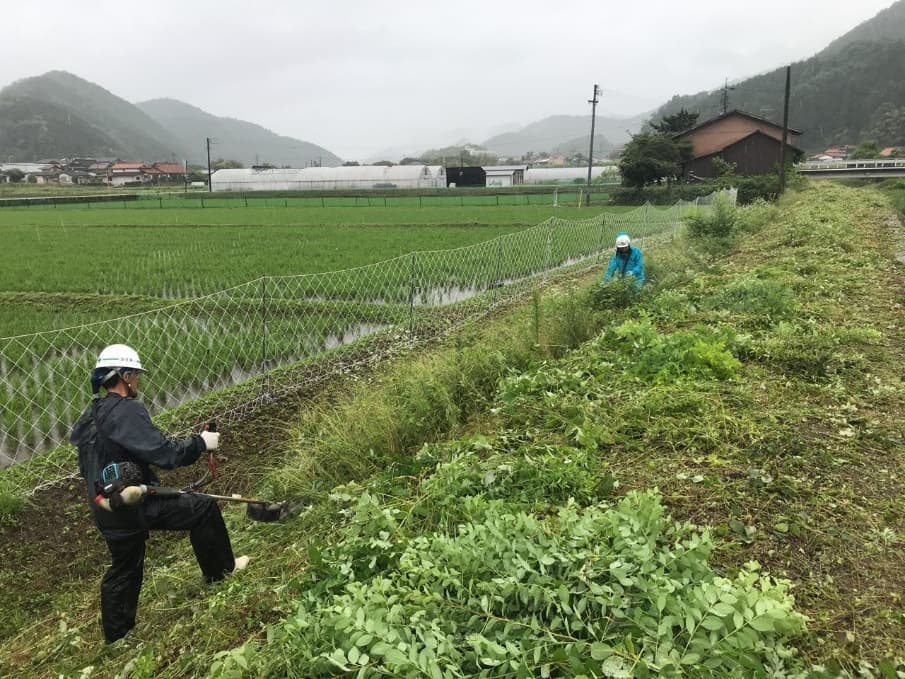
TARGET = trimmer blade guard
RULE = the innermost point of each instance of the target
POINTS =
(266, 511)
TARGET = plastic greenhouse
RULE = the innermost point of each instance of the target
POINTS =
(560, 175)
(329, 178)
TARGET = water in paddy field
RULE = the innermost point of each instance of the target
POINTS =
(446, 295)
(353, 333)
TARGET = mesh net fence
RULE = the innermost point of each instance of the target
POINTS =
(231, 351)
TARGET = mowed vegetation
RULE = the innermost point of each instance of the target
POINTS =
(514, 503)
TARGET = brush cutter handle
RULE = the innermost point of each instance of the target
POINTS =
(211, 472)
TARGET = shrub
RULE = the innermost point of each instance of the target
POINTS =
(618, 293)
(719, 222)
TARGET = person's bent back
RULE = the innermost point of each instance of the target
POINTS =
(627, 260)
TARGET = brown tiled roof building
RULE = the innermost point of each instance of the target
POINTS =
(751, 142)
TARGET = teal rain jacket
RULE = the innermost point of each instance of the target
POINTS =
(631, 264)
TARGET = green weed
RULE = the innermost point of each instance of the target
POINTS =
(614, 590)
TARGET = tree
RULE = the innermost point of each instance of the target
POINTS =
(221, 164)
(350, 163)
(677, 122)
(385, 163)
(15, 175)
(723, 168)
(649, 158)
(866, 149)
(888, 125)
(408, 160)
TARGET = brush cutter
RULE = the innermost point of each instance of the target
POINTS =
(257, 510)
(120, 485)
(115, 495)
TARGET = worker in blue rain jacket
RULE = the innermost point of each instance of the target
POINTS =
(626, 261)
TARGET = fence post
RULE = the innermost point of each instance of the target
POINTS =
(263, 334)
(548, 255)
(412, 296)
(600, 238)
(498, 276)
(645, 218)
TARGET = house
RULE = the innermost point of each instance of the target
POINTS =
(750, 142)
(122, 173)
(46, 176)
(505, 175)
(76, 177)
(171, 172)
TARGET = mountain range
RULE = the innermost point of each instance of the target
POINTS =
(61, 115)
(566, 134)
(852, 90)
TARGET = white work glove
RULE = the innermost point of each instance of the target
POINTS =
(132, 495)
(211, 439)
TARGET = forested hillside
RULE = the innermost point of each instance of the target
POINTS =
(59, 114)
(851, 91)
(564, 134)
(855, 94)
(239, 140)
(888, 25)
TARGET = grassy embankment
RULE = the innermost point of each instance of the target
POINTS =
(501, 489)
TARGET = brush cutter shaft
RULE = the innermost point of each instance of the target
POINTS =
(162, 491)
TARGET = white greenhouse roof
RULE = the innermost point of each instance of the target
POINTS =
(540, 175)
(355, 173)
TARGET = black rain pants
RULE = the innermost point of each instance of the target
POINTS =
(121, 584)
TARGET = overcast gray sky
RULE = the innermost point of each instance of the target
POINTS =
(362, 77)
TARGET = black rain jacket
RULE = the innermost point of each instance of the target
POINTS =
(118, 429)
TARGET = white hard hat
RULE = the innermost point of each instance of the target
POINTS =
(119, 356)
(623, 241)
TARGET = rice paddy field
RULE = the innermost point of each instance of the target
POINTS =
(181, 253)
(214, 296)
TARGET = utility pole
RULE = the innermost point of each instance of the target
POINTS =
(724, 97)
(593, 103)
(785, 132)
(209, 187)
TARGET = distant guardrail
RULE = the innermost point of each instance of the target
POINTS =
(866, 167)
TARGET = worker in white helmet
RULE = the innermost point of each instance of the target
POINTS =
(627, 260)
(117, 429)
